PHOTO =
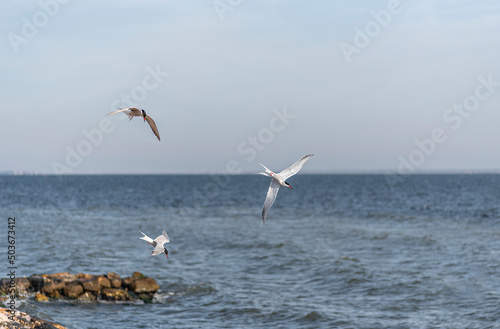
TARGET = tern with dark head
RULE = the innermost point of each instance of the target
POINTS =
(157, 243)
(132, 112)
(279, 179)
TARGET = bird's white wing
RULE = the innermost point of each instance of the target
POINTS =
(146, 238)
(152, 124)
(158, 250)
(163, 238)
(293, 169)
(130, 111)
(270, 197)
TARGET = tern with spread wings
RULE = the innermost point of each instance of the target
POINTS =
(132, 112)
(279, 179)
(157, 243)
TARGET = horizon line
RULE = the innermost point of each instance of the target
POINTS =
(340, 172)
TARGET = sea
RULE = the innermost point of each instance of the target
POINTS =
(337, 251)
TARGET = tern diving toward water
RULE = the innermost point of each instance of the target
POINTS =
(279, 179)
(132, 112)
(157, 243)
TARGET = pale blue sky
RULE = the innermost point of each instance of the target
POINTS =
(228, 77)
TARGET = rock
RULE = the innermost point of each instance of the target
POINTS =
(113, 275)
(36, 282)
(113, 294)
(22, 284)
(87, 296)
(104, 282)
(73, 289)
(138, 275)
(146, 297)
(127, 282)
(24, 321)
(56, 294)
(41, 297)
(116, 283)
(9, 286)
(91, 285)
(115, 279)
(85, 276)
(6, 286)
(144, 285)
(52, 289)
(63, 276)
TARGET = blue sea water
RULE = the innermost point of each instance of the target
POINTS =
(337, 251)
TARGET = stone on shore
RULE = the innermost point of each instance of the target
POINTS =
(115, 279)
(126, 282)
(73, 289)
(91, 285)
(41, 297)
(144, 285)
(86, 276)
(87, 296)
(113, 294)
(104, 282)
(113, 275)
(22, 284)
(138, 275)
(12, 319)
(63, 276)
(36, 282)
(18, 284)
(52, 289)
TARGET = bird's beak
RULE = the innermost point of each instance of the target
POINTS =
(290, 187)
(144, 119)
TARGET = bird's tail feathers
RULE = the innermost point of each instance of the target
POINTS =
(145, 237)
(266, 171)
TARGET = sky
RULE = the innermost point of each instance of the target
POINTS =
(367, 86)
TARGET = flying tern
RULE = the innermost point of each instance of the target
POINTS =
(279, 179)
(157, 243)
(132, 112)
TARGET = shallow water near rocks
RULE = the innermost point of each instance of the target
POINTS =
(337, 251)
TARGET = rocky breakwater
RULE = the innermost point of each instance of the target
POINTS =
(84, 287)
